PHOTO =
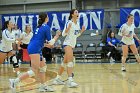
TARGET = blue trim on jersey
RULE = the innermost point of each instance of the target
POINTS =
(67, 23)
(64, 46)
(6, 34)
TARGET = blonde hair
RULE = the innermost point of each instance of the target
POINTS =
(26, 27)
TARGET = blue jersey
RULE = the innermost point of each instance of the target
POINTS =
(114, 41)
(40, 35)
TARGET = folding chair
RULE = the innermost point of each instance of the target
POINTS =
(90, 52)
(78, 51)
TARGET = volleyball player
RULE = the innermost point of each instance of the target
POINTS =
(6, 49)
(38, 67)
(17, 32)
(71, 31)
(128, 34)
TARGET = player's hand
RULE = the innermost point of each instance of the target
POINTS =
(49, 46)
(58, 33)
(83, 29)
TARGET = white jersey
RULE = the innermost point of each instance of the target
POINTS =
(7, 39)
(127, 30)
(26, 37)
(17, 33)
(72, 34)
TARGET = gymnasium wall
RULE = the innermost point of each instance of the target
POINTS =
(111, 7)
(30, 6)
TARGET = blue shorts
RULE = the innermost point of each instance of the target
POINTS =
(34, 49)
(64, 46)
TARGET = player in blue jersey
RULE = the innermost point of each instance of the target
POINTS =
(40, 35)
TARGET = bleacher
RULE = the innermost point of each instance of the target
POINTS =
(89, 48)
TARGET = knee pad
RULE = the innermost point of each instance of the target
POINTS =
(31, 73)
(13, 59)
(15, 65)
(43, 69)
(70, 64)
(137, 56)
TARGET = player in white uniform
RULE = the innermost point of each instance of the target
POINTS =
(6, 46)
(17, 32)
(128, 34)
(71, 31)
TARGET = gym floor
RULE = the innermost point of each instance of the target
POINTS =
(92, 78)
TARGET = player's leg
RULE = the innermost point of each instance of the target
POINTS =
(2, 57)
(70, 64)
(13, 58)
(42, 74)
(57, 80)
(35, 60)
(124, 56)
(135, 52)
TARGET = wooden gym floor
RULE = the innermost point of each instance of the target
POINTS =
(92, 78)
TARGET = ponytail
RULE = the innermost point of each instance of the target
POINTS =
(42, 17)
(40, 22)
(71, 12)
(5, 25)
(70, 17)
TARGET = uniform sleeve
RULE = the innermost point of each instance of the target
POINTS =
(122, 28)
(118, 41)
(108, 40)
(66, 25)
(7, 37)
(48, 34)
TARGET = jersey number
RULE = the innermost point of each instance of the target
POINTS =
(36, 32)
(76, 32)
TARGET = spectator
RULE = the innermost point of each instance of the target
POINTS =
(25, 38)
(111, 46)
